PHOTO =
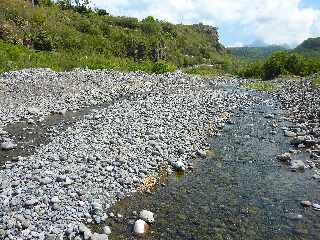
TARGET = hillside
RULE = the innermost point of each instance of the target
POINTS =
(255, 53)
(76, 36)
(310, 47)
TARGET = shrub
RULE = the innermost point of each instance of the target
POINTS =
(64, 4)
(281, 63)
(251, 70)
(47, 3)
(127, 22)
(39, 18)
(42, 42)
(150, 26)
(275, 66)
(85, 26)
(160, 68)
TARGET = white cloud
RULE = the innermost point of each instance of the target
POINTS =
(273, 21)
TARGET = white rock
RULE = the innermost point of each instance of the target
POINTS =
(8, 146)
(85, 231)
(147, 216)
(297, 165)
(179, 166)
(55, 200)
(33, 110)
(107, 230)
(139, 227)
(316, 206)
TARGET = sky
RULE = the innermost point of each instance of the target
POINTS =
(240, 22)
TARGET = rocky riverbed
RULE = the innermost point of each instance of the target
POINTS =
(300, 99)
(75, 143)
(141, 122)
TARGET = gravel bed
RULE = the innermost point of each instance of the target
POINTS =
(150, 121)
(300, 98)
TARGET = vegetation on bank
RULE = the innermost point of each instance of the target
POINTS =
(251, 54)
(228, 65)
(14, 57)
(64, 36)
(280, 63)
(203, 71)
(262, 86)
(316, 81)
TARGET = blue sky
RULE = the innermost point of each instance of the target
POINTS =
(240, 22)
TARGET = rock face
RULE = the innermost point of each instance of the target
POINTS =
(144, 122)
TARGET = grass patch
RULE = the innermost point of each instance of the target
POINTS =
(203, 71)
(15, 57)
(316, 82)
(262, 86)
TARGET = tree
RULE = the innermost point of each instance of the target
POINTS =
(150, 25)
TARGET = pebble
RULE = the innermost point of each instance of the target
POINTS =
(306, 203)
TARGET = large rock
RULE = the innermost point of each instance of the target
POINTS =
(297, 165)
(179, 166)
(147, 216)
(83, 229)
(139, 227)
(6, 146)
(107, 230)
(290, 134)
(286, 157)
(33, 110)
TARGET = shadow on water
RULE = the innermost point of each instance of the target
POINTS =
(240, 192)
(30, 136)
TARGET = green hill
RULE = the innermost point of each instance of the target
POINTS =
(255, 53)
(310, 47)
(64, 36)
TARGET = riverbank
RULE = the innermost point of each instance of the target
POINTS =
(83, 140)
(143, 122)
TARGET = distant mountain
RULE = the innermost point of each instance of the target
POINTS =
(309, 47)
(255, 53)
(257, 43)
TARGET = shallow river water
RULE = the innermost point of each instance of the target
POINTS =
(240, 192)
